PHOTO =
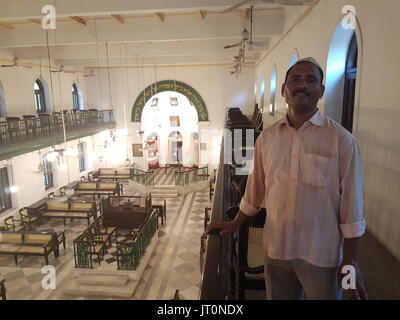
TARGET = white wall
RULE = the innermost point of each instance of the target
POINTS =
(216, 86)
(23, 173)
(18, 88)
(377, 110)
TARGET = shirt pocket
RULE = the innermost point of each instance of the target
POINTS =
(315, 169)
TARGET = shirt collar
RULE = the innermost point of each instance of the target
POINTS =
(317, 119)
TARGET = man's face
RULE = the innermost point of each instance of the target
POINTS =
(303, 87)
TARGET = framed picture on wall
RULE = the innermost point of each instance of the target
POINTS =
(175, 121)
(137, 150)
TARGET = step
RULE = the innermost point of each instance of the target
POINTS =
(164, 186)
(164, 195)
(164, 191)
(103, 279)
(75, 288)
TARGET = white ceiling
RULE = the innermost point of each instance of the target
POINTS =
(151, 32)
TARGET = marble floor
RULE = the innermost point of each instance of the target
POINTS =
(174, 265)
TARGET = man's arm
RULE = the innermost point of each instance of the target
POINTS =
(228, 227)
(352, 223)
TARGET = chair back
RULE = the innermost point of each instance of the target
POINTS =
(9, 223)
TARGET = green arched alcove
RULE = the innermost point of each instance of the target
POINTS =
(169, 85)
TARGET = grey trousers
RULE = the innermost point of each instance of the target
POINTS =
(298, 279)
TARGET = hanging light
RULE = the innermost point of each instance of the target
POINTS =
(128, 162)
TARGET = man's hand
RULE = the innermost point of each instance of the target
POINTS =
(360, 293)
(224, 227)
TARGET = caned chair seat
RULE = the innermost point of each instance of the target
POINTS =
(19, 228)
(31, 249)
(9, 248)
(108, 230)
(81, 206)
(77, 214)
(96, 249)
(54, 214)
(11, 238)
(38, 238)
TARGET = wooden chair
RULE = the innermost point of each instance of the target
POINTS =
(11, 226)
(3, 289)
(27, 218)
(251, 254)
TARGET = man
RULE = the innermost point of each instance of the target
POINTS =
(307, 173)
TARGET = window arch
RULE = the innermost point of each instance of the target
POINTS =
(293, 58)
(272, 96)
(262, 92)
(77, 96)
(40, 101)
(341, 76)
(3, 110)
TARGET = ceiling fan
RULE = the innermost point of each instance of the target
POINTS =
(281, 2)
(15, 64)
(90, 74)
(61, 69)
(247, 37)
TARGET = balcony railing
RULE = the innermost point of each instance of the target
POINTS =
(31, 129)
(145, 178)
(185, 178)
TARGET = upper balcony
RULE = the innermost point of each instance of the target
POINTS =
(19, 136)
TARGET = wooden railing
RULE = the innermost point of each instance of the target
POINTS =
(185, 178)
(145, 178)
(16, 131)
(131, 250)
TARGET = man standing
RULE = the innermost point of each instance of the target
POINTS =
(307, 173)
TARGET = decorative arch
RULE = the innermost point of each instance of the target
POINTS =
(169, 85)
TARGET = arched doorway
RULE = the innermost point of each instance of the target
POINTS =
(341, 75)
(175, 146)
(152, 142)
(350, 84)
(173, 86)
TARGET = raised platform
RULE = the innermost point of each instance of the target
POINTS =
(106, 281)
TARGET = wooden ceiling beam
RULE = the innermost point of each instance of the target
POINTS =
(160, 16)
(78, 19)
(117, 17)
(203, 14)
(37, 21)
(6, 25)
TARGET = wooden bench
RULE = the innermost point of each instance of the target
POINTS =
(70, 210)
(93, 241)
(98, 188)
(114, 174)
(31, 243)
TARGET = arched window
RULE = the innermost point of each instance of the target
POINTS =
(262, 93)
(293, 58)
(341, 74)
(350, 84)
(75, 97)
(82, 156)
(272, 92)
(3, 111)
(48, 173)
(40, 102)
